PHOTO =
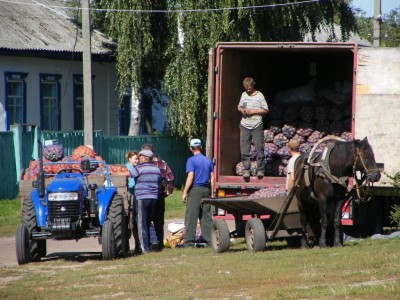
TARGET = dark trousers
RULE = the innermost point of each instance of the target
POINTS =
(157, 229)
(146, 213)
(196, 210)
(135, 231)
(257, 136)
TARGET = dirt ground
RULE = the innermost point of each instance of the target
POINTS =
(70, 248)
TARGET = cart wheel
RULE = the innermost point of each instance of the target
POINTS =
(255, 235)
(220, 239)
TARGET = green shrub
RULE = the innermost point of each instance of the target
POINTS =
(395, 212)
(395, 215)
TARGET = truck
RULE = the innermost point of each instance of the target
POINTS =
(70, 205)
(350, 90)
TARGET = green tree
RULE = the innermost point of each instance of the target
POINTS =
(390, 28)
(390, 35)
(186, 75)
(172, 47)
(140, 40)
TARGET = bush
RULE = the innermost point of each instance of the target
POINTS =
(395, 213)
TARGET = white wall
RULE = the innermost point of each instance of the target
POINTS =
(104, 90)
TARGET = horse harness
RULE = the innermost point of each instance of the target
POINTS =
(323, 171)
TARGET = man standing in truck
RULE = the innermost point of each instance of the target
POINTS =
(253, 107)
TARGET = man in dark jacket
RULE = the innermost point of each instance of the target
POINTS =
(148, 179)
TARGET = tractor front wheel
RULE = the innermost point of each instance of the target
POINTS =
(28, 216)
(22, 244)
(108, 240)
(116, 214)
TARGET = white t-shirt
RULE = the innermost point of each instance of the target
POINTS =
(290, 167)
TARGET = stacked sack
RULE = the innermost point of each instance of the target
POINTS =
(307, 124)
(55, 153)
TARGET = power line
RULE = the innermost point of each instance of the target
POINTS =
(170, 11)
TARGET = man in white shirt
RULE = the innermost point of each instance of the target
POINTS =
(295, 153)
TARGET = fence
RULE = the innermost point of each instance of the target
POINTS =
(111, 148)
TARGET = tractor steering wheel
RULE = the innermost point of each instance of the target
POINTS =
(62, 171)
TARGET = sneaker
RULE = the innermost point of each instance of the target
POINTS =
(138, 251)
(260, 174)
(246, 174)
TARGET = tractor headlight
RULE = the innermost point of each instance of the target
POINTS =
(62, 196)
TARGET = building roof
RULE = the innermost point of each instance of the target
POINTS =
(46, 25)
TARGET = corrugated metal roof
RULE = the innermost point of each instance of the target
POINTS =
(45, 25)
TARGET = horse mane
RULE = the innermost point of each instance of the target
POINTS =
(342, 158)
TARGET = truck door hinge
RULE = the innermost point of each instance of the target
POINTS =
(216, 70)
(215, 115)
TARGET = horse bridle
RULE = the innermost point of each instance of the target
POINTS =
(365, 179)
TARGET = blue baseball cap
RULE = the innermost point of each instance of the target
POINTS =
(195, 142)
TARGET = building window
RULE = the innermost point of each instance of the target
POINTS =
(50, 102)
(78, 102)
(15, 89)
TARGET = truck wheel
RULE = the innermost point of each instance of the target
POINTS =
(108, 240)
(22, 244)
(255, 235)
(28, 217)
(116, 214)
(220, 239)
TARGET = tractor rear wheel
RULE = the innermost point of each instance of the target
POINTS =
(22, 244)
(220, 239)
(255, 235)
(28, 217)
(116, 214)
(108, 240)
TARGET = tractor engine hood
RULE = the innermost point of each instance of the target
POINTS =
(66, 185)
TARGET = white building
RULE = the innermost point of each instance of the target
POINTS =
(41, 80)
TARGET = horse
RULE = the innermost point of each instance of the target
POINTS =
(322, 184)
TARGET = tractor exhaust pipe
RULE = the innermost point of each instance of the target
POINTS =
(40, 179)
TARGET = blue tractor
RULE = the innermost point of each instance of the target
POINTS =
(70, 208)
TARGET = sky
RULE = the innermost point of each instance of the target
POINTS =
(368, 6)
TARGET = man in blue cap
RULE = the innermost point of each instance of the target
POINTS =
(199, 184)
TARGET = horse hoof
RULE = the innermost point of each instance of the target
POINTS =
(303, 245)
(338, 245)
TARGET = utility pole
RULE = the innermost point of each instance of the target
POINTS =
(376, 35)
(87, 76)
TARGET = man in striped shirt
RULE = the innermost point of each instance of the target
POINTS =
(167, 187)
(253, 107)
(148, 179)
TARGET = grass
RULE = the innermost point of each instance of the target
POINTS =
(10, 212)
(10, 216)
(365, 269)
(368, 269)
